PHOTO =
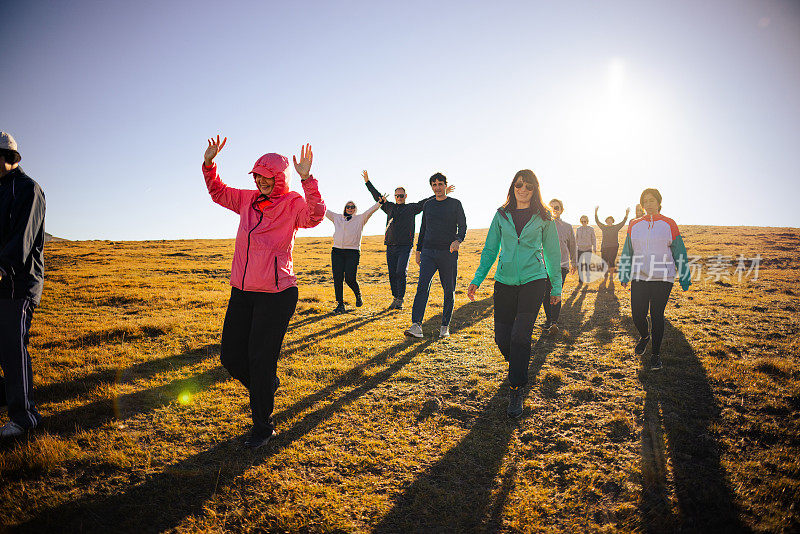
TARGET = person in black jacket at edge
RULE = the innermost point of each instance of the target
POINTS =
(400, 223)
(21, 279)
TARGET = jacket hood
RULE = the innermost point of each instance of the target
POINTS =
(274, 166)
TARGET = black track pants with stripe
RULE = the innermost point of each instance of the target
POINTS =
(15, 324)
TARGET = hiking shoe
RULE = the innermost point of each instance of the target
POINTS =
(553, 329)
(444, 331)
(256, 440)
(11, 430)
(546, 326)
(359, 302)
(515, 402)
(393, 305)
(415, 330)
(655, 362)
(339, 309)
(398, 304)
(641, 346)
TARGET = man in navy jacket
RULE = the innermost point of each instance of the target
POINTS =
(22, 208)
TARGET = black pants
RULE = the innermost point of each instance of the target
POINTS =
(345, 268)
(397, 261)
(552, 311)
(252, 335)
(15, 325)
(515, 311)
(653, 295)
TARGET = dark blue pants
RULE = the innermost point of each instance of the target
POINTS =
(515, 311)
(252, 335)
(551, 311)
(446, 263)
(15, 325)
(397, 261)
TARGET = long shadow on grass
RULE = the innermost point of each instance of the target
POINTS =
(606, 309)
(99, 412)
(82, 385)
(681, 430)
(455, 493)
(163, 500)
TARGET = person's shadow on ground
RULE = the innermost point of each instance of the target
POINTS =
(164, 499)
(679, 411)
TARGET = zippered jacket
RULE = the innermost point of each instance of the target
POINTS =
(585, 238)
(400, 218)
(654, 251)
(347, 232)
(533, 254)
(566, 237)
(262, 259)
(22, 208)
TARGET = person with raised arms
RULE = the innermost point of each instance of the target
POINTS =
(609, 245)
(653, 256)
(346, 252)
(524, 233)
(264, 287)
(443, 229)
(399, 238)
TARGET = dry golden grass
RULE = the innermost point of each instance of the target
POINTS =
(143, 429)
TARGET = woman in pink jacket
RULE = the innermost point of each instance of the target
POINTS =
(264, 292)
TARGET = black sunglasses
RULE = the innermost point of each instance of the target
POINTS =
(348, 207)
(528, 186)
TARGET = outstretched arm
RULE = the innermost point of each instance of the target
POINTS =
(596, 219)
(314, 209)
(227, 197)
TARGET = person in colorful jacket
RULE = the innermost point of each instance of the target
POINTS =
(652, 257)
(346, 251)
(264, 287)
(524, 233)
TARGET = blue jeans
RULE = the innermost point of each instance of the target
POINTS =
(397, 261)
(446, 263)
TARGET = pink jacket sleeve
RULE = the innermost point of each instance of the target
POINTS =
(313, 210)
(227, 197)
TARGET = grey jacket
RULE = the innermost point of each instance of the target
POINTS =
(566, 238)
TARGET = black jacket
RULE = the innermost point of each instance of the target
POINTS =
(400, 219)
(22, 209)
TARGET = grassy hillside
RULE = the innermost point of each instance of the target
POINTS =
(144, 430)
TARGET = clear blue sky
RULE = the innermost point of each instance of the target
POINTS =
(111, 103)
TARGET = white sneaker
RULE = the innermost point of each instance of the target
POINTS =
(444, 331)
(414, 331)
(11, 430)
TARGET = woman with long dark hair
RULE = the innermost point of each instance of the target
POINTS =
(652, 257)
(525, 235)
(264, 292)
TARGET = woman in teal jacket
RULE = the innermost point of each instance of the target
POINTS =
(524, 234)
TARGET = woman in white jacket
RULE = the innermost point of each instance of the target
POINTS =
(346, 251)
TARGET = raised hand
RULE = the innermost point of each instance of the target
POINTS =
(306, 157)
(450, 189)
(366, 176)
(214, 147)
(383, 198)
